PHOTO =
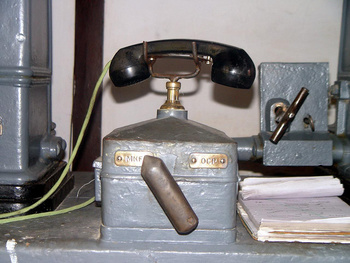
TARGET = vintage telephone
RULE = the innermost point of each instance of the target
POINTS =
(170, 179)
(190, 168)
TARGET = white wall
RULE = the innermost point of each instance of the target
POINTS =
(63, 22)
(278, 31)
(269, 31)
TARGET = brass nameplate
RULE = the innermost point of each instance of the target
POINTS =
(130, 158)
(208, 160)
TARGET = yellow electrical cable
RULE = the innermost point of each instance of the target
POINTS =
(44, 214)
(65, 171)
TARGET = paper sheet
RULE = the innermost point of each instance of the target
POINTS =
(290, 187)
(312, 217)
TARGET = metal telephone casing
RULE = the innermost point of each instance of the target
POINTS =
(129, 210)
(201, 160)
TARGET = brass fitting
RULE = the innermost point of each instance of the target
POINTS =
(172, 102)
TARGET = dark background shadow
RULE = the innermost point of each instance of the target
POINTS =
(237, 98)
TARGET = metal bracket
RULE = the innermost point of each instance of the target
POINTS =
(151, 60)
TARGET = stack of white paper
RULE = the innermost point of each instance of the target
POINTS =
(272, 211)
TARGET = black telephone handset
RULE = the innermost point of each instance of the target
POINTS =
(231, 66)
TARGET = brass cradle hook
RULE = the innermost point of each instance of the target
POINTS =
(172, 86)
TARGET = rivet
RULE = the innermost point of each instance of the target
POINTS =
(20, 37)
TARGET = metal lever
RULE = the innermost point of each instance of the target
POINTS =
(169, 195)
(289, 116)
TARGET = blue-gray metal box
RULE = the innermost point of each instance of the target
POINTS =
(25, 38)
(25, 125)
(129, 210)
(28, 145)
(300, 146)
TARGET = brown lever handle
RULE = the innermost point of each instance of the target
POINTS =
(289, 115)
(169, 195)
